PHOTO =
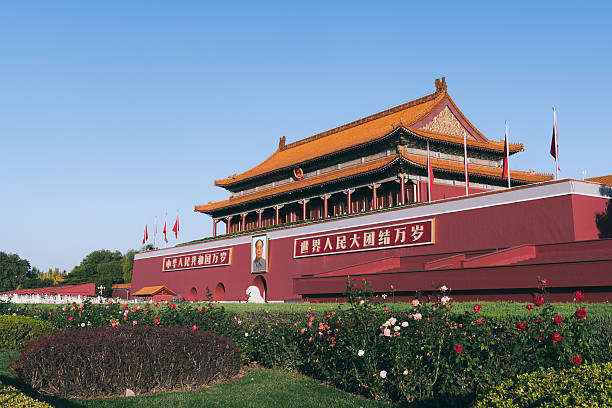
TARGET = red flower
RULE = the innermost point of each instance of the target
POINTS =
(558, 319)
(480, 320)
(157, 321)
(521, 326)
(155, 304)
(194, 327)
(203, 309)
(538, 320)
(70, 318)
(477, 308)
(538, 300)
(529, 307)
(458, 348)
(581, 314)
(556, 337)
(543, 281)
(576, 360)
(171, 305)
(578, 295)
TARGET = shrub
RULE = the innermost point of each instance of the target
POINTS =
(97, 362)
(17, 331)
(585, 386)
(11, 397)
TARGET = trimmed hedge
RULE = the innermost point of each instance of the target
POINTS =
(98, 362)
(11, 397)
(586, 386)
(17, 331)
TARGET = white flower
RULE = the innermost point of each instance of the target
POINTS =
(392, 320)
(405, 372)
(361, 302)
(417, 316)
(445, 300)
(443, 287)
(82, 324)
(360, 353)
(404, 324)
(383, 374)
(246, 334)
(386, 324)
(396, 328)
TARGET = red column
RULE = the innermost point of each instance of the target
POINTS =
(214, 227)
(243, 224)
(277, 220)
(348, 201)
(403, 190)
(374, 197)
(259, 218)
(304, 209)
(325, 206)
(228, 225)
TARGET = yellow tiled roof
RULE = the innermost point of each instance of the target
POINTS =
(437, 164)
(363, 131)
(152, 290)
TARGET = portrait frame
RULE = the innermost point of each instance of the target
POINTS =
(256, 267)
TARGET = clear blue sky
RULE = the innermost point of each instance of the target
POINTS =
(114, 112)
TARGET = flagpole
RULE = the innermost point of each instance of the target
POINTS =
(556, 144)
(428, 175)
(155, 233)
(465, 162)
(508, 153)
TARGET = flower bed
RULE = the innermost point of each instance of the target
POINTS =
(422, 352)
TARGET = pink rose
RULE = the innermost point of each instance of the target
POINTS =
(415, 302)
(70, 318)
(194, 327)
(156, 321)
(383, 374)
(458, 348)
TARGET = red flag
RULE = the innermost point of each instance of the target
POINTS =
(465, 162)
(145, 238)
(175, 229)
(430, 176)
(165, 237)
(554, 144)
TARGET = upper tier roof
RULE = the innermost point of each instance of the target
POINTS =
(432, 117)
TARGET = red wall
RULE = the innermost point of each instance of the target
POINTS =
(562, 218)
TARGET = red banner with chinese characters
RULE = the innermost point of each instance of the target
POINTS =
(389, 236)
(219, 257)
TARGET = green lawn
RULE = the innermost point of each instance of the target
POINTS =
(489, 309)
(259, 388)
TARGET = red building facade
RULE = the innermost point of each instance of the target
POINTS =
(354, 201)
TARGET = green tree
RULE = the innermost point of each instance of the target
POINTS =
(128, 265)
(14, 271)
(87, 271)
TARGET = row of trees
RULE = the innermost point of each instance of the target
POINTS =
(102, 267)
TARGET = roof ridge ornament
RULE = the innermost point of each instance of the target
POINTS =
(281, 143)
(440, 85)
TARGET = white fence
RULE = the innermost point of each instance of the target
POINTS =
(58, 299)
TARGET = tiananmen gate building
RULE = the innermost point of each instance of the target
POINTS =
(354, 201)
